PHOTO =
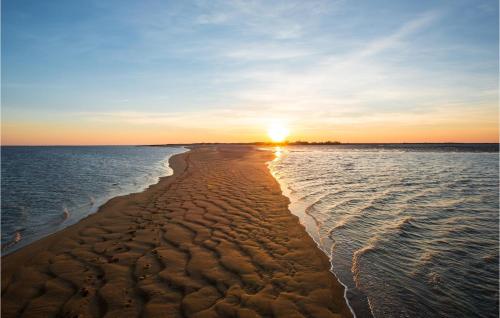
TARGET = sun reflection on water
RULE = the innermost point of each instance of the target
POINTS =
(278, 152)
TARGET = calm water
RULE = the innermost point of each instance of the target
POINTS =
(412, 230)
(45, 189)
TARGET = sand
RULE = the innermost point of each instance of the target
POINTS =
(216, 239)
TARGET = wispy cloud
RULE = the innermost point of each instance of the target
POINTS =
(399, 36)
(330, 90)
(280, 20)
(267, 52)
(335, 80)
(319, 65)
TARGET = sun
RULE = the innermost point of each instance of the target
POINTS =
(277, 132)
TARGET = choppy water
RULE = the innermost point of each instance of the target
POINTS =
(45, 189)
(412, 231)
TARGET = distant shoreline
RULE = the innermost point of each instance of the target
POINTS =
(258, 143)
(458, 147)
(321, 143)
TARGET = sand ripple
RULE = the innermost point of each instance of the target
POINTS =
(215, 240)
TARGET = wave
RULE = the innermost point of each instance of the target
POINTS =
(356, 256)
(417, 213)
(66, 214)
(490, 258)
(16, 239)
(313, 194)
(312, 207)
(403, 225)
(74, 185)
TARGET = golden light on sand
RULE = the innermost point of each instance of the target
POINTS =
(277, 132)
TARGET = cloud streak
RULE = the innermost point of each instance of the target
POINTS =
(319, 65)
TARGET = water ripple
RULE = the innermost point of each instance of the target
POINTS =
(45, 189)
(415, 232)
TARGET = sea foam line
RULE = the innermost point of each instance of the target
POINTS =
(66, 217)
(286, 191)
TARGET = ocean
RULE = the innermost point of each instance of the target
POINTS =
(45, 189)
(412, 230)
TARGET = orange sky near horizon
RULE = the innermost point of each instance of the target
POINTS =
(99, 133)
(132, 73)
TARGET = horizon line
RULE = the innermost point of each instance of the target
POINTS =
(257, 143)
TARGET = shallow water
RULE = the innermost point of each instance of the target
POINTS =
(412, 231)
(45, 189)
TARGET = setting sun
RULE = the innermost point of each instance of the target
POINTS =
(277, 132)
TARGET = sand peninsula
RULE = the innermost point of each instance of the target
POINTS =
(216, 239)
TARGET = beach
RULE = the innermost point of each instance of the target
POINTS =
(215, 239)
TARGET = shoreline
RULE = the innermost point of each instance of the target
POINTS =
(18, 242)
(97, 210)
(358, 301)
(103, 264)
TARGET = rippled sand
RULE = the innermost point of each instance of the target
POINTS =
(214, 240)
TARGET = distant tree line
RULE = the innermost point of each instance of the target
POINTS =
(256, 143)
(297, 143)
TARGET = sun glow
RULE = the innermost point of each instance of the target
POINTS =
(277, 132)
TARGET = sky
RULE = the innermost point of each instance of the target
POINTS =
(149, 72)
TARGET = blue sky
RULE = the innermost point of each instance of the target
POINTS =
(219, 70)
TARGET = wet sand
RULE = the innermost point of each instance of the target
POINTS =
(216, 239)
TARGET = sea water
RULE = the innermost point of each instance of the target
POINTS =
(412, 230)
(44, 189)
